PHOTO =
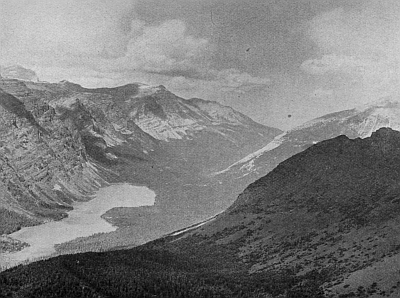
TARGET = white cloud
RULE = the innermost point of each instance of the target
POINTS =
(361, 44)
(232, 78)
(369, 31)
(101, 35)
(65, 31)
(228, 80)
(94, 42)
(162, 48)
(336, 63)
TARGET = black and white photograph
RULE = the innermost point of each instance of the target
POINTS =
(200, 148)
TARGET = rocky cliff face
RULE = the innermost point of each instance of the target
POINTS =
(61, 141)
(192, 133)
(44, 165)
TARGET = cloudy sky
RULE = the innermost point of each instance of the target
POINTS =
(282, 62)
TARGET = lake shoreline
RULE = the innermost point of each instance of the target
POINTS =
(84, 220)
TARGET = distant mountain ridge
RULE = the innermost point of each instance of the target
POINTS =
(165, 116)
(192, 132)
(358, 122)
(65, 141)
(323, 223)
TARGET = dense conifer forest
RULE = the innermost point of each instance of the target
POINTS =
(144, 272)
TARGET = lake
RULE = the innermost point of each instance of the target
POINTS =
(84, 220)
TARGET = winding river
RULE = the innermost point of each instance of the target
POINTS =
(84, 220)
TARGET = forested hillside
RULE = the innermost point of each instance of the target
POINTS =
(152, 273)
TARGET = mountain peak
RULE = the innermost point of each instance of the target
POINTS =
(148, 90)
(385, 133)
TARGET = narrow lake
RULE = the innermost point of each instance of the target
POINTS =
(84, 220)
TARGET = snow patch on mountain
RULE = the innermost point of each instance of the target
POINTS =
(248, 161)
(122, 129)
(110, 139)
(67, 103)
(146, 90)
(361, 122)
(57, 187)
(381, 113)
(314, 122)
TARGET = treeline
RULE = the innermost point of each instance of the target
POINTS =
(149, 273)
(8, 244)
(11, 221)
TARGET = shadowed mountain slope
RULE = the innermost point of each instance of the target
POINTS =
(354, 123)
(324, 223)
(333, 208)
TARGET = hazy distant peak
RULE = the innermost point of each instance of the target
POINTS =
(66, 82)
(218, 112)
(18, 72)
(387, 108)
(385, 102)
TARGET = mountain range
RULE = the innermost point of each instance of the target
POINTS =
(61, 141)
(323, 223)
(331, 209)
(358, 122)
(242, 210)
